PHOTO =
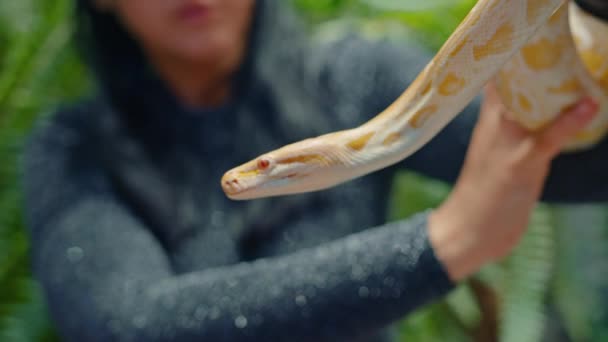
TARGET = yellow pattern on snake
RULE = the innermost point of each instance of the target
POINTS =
(544, 55)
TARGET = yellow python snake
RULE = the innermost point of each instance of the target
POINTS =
(543, 54)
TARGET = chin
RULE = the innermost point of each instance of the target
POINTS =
(207, 46)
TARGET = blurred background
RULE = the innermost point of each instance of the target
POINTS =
(553, 288)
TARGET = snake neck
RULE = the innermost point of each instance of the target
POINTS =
(492, 32)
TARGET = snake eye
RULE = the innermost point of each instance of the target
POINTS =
(263, 164)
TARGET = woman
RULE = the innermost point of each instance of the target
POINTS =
(133, 238)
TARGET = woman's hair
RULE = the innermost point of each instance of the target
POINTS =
(109, 50)
(115, 57)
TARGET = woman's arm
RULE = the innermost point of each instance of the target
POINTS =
(107, 278)
(371, 75)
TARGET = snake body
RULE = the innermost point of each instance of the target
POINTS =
(544, 54)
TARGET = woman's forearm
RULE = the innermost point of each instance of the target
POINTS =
(119, 286)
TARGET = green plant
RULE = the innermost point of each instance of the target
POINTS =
(37, 70)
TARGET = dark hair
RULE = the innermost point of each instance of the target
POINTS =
(116, 59)
(111, 53)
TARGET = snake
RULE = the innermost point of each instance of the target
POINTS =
(543, 55)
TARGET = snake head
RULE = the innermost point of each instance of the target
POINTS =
(301, 167)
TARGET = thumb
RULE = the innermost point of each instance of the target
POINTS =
(570, 122)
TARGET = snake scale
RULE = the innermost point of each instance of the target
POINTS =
(543, 54)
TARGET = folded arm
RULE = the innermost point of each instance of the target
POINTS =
(106, 277)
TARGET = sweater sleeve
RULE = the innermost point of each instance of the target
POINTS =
(106, 277)
(369, 75)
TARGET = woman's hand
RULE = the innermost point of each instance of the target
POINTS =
(500, 183)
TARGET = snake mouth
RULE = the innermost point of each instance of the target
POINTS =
(235, 194)
(236, 187)
(250, 188)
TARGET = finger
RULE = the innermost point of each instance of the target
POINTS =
(498, 112)
(491, 95)
(489, 89)
(571, 121)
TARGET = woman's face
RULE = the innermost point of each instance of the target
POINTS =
(189, 30)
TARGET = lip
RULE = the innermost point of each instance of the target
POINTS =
(234, 194)
(193, 12)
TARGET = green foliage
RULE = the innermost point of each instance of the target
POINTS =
(520, 284)
(580, 283)
(39, 69)
(430, 21)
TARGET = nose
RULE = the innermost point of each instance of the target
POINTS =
(230, 183)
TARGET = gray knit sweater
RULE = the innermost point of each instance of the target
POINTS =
(133, 239)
